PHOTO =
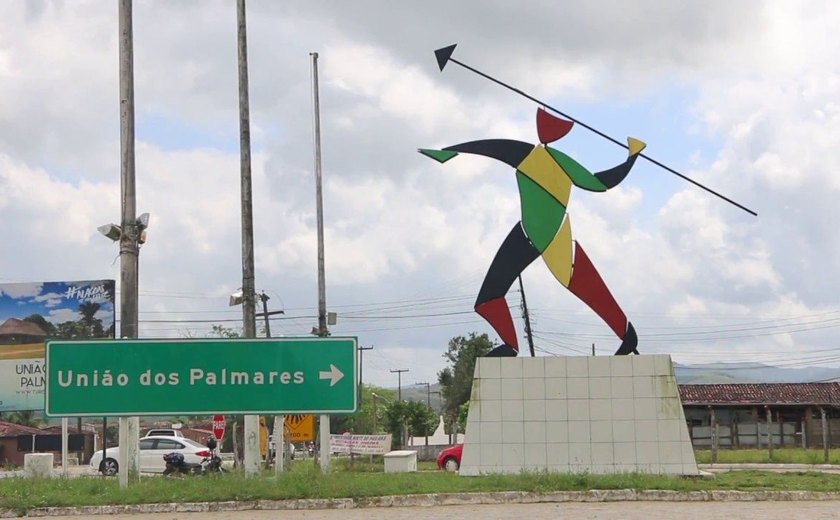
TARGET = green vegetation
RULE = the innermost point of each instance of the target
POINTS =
(456, 379)
(416, 417)
(780, 456)
(367, 480)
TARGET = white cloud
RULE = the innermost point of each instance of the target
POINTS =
(761, 96)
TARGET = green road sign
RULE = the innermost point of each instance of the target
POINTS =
(201, 377)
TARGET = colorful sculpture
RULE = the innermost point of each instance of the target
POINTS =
(545, 177)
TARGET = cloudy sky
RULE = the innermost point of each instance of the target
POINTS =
(740, 96)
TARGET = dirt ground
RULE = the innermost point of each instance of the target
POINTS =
(576, 511)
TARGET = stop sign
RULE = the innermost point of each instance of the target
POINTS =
(219, 426)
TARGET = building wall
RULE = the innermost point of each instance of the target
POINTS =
(10, 455)
(746, 426)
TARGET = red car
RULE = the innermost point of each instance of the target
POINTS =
(450, 458)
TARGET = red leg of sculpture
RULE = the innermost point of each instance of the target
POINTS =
(588, 285)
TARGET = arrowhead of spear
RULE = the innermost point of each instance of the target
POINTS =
(444, 54)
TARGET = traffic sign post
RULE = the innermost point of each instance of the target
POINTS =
(278, 376)
(301, 428)
(218, 427)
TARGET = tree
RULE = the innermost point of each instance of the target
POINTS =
(91, 327)
(362, 422)
(41, 322)
(456, 379)
(224, 332)
(25, 418)
(416, 415)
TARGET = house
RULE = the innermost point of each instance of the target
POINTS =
(17, 440)
(9, 433)
(16, 332)
(750, 415)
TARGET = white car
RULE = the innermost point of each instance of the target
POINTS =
(152, 450)
(168, 432)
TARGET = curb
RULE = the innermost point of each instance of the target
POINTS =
(429, 500)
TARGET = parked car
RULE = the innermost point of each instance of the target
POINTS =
(272, 448)
(169, 432)
(152, 450)
(450, 458)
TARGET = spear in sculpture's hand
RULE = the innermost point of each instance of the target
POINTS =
(444, 56)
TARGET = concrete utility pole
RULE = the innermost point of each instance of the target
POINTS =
(249, 325)
(129, 458)
(319, 198)
(399, 372)
(324, 420)
(361, 366)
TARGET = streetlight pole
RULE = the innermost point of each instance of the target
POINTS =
(249, 326)
(399, 372)
(129, 249)
(324, 420)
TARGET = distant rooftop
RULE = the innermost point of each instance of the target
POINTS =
(761, 394)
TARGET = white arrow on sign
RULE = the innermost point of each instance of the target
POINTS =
(334, 375)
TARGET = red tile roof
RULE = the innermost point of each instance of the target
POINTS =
(8, 429)
(761, 394)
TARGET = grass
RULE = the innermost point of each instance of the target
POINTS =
(304, 480)
(780, 456)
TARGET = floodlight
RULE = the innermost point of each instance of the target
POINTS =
(143, 221)
(236, 298)
(112, 231)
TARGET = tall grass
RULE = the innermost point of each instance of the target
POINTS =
(306, 481)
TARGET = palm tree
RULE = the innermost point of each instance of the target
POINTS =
(92, 326)
(25, 418)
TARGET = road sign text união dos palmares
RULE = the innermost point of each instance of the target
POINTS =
(194, 376)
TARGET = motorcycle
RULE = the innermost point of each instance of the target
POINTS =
(175, 464)
(212, 464)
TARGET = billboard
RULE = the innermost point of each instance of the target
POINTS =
(31, 313)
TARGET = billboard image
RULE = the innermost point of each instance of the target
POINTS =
(31, 313)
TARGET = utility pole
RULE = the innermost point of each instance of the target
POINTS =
(324, 420)
(593, 349)
(265, 313)
(428, 403)
(428, 393)
(279, 440)
(526, 318)
(264, 299)
(361, 366)
(249, 325)
(129, 248)
(399, 372)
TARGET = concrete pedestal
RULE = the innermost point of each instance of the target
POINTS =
(606, 414)
(38, 465)
(400, 461)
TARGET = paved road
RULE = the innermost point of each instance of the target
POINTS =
(576, 511)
